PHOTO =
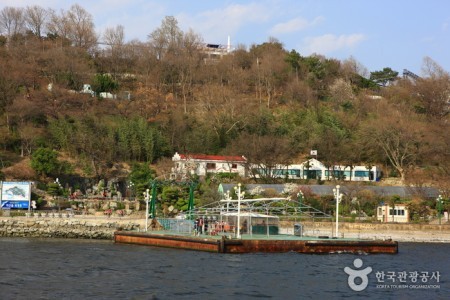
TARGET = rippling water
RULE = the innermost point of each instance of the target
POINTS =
(85, 269)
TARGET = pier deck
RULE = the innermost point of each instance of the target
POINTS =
(256, 243)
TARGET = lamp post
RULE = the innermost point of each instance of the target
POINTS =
(58, 191)
(228, 198)
(240, 195)
(338, 197)
(300, 200)
(147, 197)
(439, 207)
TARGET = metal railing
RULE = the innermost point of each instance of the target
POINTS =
(177, 225)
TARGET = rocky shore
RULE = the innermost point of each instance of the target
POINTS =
(75, 227)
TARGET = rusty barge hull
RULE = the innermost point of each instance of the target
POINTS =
(256, 245)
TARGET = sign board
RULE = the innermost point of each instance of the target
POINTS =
(15, 195)
(314, 152)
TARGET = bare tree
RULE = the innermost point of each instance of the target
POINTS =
(270, 67)
(432, 92)
(21, 112)
(432, 69)
(35, 19)
(76, 25)
(341, 91)
(8, 89)
(82, 33)
(351, 66)
(167, 37)
(59, 24)
(265, 155)
(189, 62)
(114, 37)
(399, 134)
(218, 106)
(12, 20)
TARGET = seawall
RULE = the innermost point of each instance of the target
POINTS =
(81, 228)
(395, 231)
(99, 227)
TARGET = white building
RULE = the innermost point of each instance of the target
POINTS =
(314, 169)
(201, 164)
(398, 214)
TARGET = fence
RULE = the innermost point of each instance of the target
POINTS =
(177, 225)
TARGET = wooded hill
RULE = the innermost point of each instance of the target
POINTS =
(265, 102)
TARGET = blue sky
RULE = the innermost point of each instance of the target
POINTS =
(383, 33)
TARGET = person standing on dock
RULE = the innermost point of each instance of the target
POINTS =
(196, 226)
(201, 225)
(206, 222)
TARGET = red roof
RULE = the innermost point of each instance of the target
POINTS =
(213, 157)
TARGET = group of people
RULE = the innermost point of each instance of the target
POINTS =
(204, 225)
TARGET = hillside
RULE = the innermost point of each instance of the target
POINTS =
(267, 103)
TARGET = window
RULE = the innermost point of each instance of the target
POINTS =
(278, 172)
(380, 211)
(295, 172)
(260, 171)
(339, 174)
(361, 173)
(234, 166)
(313, 174)
(210, 166)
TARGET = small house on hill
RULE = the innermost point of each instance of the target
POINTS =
(202, 164)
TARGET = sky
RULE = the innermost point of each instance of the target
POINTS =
(397, 34)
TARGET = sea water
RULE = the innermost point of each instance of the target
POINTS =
(87, 269)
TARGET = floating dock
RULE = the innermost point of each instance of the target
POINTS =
(255, 243)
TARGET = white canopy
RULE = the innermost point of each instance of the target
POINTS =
(248, 214)
(253, 200)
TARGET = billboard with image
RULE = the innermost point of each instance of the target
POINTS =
(15, 195)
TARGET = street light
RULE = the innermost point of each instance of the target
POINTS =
(439, 207)
(58, 191)
(338, 197)
(300, 200)
(147, 197)
(240, 195)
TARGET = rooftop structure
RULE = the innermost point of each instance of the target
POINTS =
(216, 51)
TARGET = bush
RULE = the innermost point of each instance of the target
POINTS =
(18, 213)
(44, 161)
(228, 176)
(40, 202)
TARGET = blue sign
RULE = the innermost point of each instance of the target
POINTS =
(15, 204)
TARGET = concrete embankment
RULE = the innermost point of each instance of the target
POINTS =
(429, 233)
(83, 228)
(99, 227)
